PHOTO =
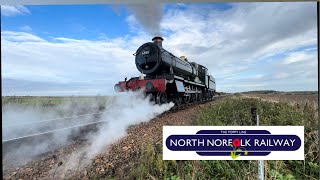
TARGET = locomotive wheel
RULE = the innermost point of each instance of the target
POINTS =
(193, 97)
(161, 97)
(208, 96)
(152, 97)
(178, 101)
(200, 96)
(186, 99)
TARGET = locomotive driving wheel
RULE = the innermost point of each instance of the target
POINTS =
(193, 97)
(200, 97)
(152, 97)
(161, 98)
(186, 99)
(178, 101)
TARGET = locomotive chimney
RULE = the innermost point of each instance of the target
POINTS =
(158, 40)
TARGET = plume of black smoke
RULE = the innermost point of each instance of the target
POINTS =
(148, 15)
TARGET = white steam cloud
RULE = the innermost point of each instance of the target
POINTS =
(121, 111)
(25, 120)
(127, 110)
(134, 110)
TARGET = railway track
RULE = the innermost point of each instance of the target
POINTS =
(78, 132)
(185, 106)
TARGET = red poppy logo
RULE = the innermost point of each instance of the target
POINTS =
(236, 142)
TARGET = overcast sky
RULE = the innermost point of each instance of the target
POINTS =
(86, 49)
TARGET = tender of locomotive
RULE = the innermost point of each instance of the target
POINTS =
(167, 77)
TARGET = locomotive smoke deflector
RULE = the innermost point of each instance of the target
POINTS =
(158, 40)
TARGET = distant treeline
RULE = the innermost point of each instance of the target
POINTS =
(279, 92)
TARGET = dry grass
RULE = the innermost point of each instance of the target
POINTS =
(290, 98)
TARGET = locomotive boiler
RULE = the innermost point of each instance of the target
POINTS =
(167, 77)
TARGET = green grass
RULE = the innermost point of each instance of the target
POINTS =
(45, 101)
(32, 101)
(234, 112)
(57, 106)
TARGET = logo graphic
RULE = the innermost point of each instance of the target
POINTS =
(235, 145)
(230, 142)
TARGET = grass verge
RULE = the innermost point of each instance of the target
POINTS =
(235, 112)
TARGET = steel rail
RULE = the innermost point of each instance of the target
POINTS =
(48, 132)
(56, 119)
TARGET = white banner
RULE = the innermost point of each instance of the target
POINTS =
(233, 143)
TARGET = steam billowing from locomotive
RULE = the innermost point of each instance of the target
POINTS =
(148, 15)
(169, 78)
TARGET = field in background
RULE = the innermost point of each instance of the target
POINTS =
(54, 107)
(293, 98)
(45, 101)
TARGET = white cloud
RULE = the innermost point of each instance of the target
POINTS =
(26, 28)
(14, 10)
(12, 36)
(240, 40)
(297, 57)
(83, 63)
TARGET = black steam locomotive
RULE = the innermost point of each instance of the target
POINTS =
(167, 77)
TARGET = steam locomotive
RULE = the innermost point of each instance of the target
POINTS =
(167, 77)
